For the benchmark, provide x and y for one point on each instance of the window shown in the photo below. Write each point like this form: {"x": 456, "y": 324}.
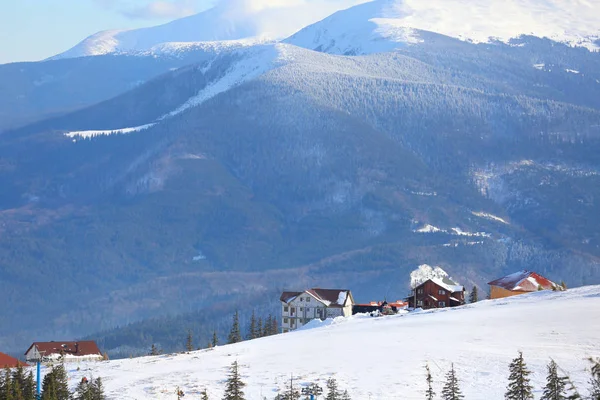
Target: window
{"x": 285, "y": 320}
{"x": 420, "y": 303}
{"x": 442, "y": 304}
{"x": 301, "y": 309}
{"x": 420, "y": 291}
{"x": 308, "y": 299}
{"x": 441, "y": 291}
{"x": 286, "y": 309}
{"x": 301, "y": 298}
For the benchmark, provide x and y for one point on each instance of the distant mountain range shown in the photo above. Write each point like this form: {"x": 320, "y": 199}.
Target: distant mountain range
{"x": 208, "y": 177}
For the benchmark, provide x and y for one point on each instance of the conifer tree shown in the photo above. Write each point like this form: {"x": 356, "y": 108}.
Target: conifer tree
{"x": 267, "y": 326}
{"x": 234, "y": 387}
{"x": 429, "y": 394}
{"x": 203, "y": 395}
{"x": 189, "y": 344}
{"x": 519, "y": 387}
{"x": 252, "y": 331}
{"x": 555, "y": 385}
{"x": 5, "y": 383}
{"x": 154, "y": 351}
{"x": 274, "y": 326}
{"x": 595, "y": 380}
{"x": 97, "y": 389}
{"x": 29, "y": 387}
{"x": 234, "y": 334}
{"x": 55, "y": 385}
{"x": 215, "y": 339}
{"x": 345, "y": 396}
{"x": 333, "y": 392}
{"x": 259, "y": 327}
{"x": 451, "y": 390}
{"x": 290, "y": 392}
{"x": 474, "y": 295}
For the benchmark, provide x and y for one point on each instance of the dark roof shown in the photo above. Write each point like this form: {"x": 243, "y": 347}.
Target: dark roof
{"x": 82, "y": 348}
{"x": 525, "y": 281}
{"x": 286, "y": 297}
{"x": 329, "y": 297}
{"x": 10, "y": 362}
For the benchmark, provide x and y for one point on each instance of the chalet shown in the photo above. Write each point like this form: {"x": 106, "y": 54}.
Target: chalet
{"x": 299, "y": 308}
{"x": 85, "y": 350}
{"x": 519, "y": 283}
{"x": 7, "y": 361}
{"x": 382, "y": 307}
{"x": 437, "y": 293}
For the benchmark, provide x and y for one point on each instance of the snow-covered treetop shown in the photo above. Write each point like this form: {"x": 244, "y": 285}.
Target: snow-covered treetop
{"x": 438, "y": 275}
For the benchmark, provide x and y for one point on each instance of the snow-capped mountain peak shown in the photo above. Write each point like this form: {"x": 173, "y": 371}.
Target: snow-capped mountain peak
{"x": 229, "y": 20}
{"x": 384, "y": 25}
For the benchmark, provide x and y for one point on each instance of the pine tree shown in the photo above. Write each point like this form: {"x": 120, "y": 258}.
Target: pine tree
{"x": 233, "y": 389}
{"x": 82, "y": 391}
{"x": 55, "y": 385}
{"x": 234, "y": 334}
{"x": 345, "y": 396}
{"x": 519, "y": 387}
{"x": 154, "y": 351}
{"x": 274, "y": 326}
{"x": 97, "y": 389}
{"x": 259, "y": 327}
{"x": 252, "y": 331}
{"x": 5, "y": 383}
{"x": 203, "y": 395}
{"x": 451, "y": 390}
{"x": 555, "y": 385}
{"x": 290, "y": 392}
{"x": 267, "y": 326}
{"x": 474, "y": 296}
{"x": 333, "y": 392}
{"x": 313, "y": 389}
{"x": 29, "y": 387}
{"x": 189, "y": 344}
{"x": 215, "y": 339}
{"x": 429, "y": 394}
{"x": 595, "y": 380}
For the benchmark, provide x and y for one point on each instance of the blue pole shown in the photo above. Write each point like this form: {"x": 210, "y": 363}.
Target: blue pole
{"x": 312, "y": 397}
{"x": 38, "y": 381}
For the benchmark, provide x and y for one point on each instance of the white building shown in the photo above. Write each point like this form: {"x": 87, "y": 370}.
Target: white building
{"x": 84, "y": 350}
{"x": 298, "y": 308}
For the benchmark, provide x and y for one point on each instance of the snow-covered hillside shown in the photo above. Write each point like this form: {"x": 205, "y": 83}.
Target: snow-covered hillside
{"x": 383, "y": 25}
{"x": 248, "y": 20}
{"x": 383, "y": 358}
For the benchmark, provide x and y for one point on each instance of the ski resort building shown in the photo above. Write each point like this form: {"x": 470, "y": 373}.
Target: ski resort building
{"x": 7, "y": 361}
{"x": 437, "y": 293}
{"x": 519, "y": 283}
{"x": 299, "y": 308}
{"x": 69, "y": 351}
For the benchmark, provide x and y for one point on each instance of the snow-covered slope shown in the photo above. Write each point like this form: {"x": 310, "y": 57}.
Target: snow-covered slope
{"x": 230, "y": 20}
{"x": 384, "y": 358}
{"x": 383, "y": 25}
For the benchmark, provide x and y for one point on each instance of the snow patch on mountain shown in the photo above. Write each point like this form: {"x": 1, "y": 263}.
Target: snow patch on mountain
{"x": 425, "y": 272}
{"x": 489, "y": 216}
{"x": 93, "y": 133}
{"x": 384, "y": 25}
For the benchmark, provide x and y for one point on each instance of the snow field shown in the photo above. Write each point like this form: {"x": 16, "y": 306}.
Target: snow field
{"x": 383, "y": 358}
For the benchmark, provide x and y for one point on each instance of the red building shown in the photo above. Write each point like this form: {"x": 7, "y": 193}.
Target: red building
{"x": 7, "y": 361}
{"x": 437, "y": 293}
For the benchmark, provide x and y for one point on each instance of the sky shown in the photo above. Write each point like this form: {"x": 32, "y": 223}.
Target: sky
{"x": 32, "y": 30}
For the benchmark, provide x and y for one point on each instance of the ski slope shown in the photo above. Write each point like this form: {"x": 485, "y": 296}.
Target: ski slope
{"x": 383, "y": 358}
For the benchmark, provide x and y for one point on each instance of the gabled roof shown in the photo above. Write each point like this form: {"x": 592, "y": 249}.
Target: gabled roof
{"x": 7, "y": 361}
{"x": 523, "y": 281}
{"x": 81, "y": 348}
{"x": 329, "y": 297}
{"x": 446, "y": 284}
{"x": 286, "y": 297}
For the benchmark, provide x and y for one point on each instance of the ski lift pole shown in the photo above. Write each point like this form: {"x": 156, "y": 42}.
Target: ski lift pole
{"x": 37, "y": 387}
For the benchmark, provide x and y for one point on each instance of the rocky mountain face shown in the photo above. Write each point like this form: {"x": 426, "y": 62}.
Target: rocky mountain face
{"x": 273, "y": 166}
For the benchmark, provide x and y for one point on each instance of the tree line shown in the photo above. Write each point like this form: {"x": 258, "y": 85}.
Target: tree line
{"x": 17, "y": 385}
{"x": 257, "y": 328}
{"x": 558, "y": 386}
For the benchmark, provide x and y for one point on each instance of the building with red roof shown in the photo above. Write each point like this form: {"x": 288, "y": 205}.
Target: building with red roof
{"x": 7, "y": 361}
{"x": 84, "y": 350}
{"x": 519, "y": 283}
